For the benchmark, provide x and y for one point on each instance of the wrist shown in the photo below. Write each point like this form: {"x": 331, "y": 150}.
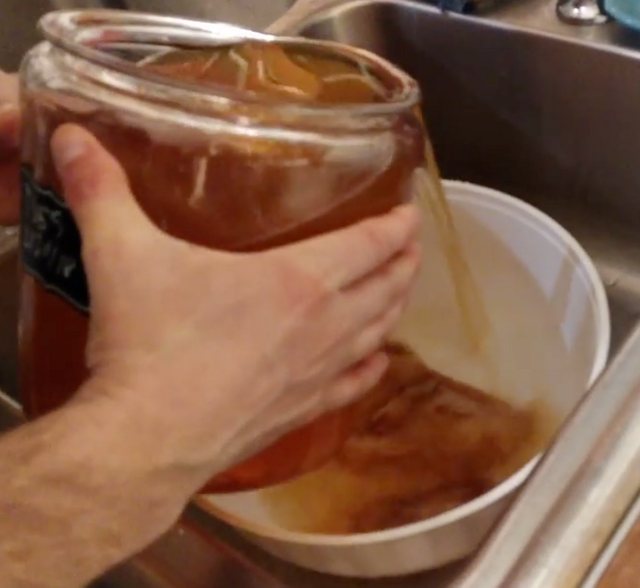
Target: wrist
{"x": 81, "y": 481}
{"x": 124, "y": 453}
{"x": 152, "y": 438}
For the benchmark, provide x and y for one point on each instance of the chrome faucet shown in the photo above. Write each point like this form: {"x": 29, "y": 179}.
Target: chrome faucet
{"x": 581, "y": 12}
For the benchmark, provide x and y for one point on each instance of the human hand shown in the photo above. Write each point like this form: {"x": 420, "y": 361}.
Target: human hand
{"x": 218, "y": 354}
{"x": 9, "y": 149}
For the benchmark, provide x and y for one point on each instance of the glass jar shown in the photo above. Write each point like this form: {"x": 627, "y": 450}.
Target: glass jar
{"x": 223, "y": 169}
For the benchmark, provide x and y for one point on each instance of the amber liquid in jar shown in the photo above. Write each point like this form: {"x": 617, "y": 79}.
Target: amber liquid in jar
{"x": 237, "y": 193}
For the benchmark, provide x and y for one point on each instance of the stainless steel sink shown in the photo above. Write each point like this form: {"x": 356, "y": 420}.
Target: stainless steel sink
{"x": 550, "y": 119}
{"x": 18, "y": 17}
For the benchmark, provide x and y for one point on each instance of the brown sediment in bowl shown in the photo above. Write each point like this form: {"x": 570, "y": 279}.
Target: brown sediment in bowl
{"x": 437, "y": 445}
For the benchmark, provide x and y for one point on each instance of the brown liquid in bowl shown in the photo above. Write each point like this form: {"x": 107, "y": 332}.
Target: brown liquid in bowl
{"x": 436, "y": 445}
{"x": 232, "y": 193}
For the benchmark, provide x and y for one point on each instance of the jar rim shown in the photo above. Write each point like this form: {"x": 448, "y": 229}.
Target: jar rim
{"x": 82, "y": 32}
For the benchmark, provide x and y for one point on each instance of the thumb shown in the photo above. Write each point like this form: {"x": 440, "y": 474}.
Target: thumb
{"x": 96, "y": 190}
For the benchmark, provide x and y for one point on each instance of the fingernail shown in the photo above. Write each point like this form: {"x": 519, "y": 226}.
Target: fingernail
{"x": 409, "y": 215}
{"x": 384, "y": 362}
{"x": 68, "y": 145}
{"x": 407, "y": 210}
{"x": 402, "y": 209}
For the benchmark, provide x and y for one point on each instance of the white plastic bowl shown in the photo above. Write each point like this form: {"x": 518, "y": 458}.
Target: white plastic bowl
{"x": 497, "y": 231}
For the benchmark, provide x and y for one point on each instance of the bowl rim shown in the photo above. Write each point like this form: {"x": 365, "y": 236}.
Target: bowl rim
{"x": 600, "y": 305}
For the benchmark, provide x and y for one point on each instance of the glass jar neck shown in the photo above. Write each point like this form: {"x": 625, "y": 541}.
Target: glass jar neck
{"x": 105, "y": 48}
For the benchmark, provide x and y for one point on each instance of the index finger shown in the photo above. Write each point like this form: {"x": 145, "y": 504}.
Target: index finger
{"x": 346, "y": 256}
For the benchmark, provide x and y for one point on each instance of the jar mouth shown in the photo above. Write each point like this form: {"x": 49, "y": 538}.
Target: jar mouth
{"x": 120, "y": 41}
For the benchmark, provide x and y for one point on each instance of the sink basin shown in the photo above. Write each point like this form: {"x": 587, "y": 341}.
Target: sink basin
{"x": 554, "y": 121}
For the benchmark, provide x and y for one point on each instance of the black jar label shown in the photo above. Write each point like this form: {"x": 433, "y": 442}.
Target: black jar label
{"x": 50, "y": 242}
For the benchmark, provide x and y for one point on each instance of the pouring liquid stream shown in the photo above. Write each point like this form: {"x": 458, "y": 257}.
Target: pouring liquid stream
{"x": 431, "y": 196}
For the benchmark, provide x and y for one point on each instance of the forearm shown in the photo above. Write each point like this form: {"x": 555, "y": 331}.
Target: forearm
{"x": 79, "y": 493}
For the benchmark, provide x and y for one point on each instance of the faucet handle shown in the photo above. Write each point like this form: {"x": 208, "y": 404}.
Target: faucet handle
{"x": 581, "y": 12}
